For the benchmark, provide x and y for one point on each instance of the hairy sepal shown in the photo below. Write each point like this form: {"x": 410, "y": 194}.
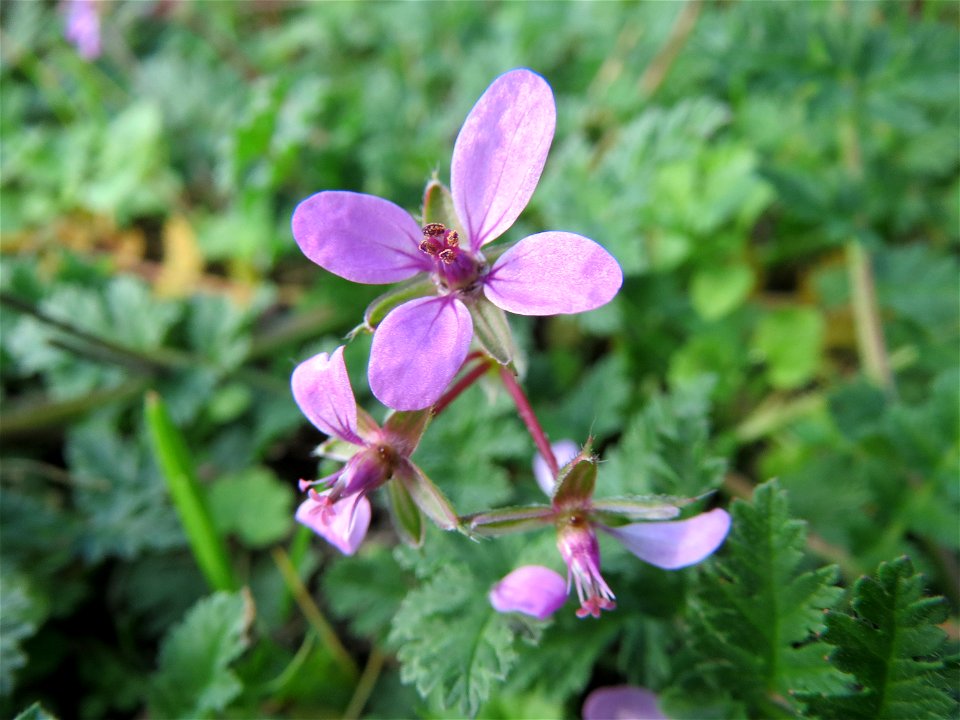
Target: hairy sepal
{"x": 416, "y": 287}
{"x": 427, "y": 496}
{"x": 505, "y": 521}
{"x": 406, "y": 516}
{"x": 492, "y": 330}
{"x": 405, "y": 428}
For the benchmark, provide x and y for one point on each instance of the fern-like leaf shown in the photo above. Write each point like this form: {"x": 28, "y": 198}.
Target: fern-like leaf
{"x": 890, "y": 643}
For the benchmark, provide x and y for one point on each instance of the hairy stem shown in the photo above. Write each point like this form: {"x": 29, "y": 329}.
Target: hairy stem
{"x": 462, "y": 384}
{"x": 529, "y": 419}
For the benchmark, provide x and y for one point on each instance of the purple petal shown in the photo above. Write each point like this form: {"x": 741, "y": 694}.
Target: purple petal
{"x": 500, "y": 153}
{"x": 532, "y": 590}
{"x": 343, "y": 524}
{"x": 359, "y": 237}
{"x": 622, "y": 702}
{"x": 564, "y": 451}
{"x": 675, "y": 544}
{"x": 322, "y": 389}
{"x": 552, "y": 273}
{"x": 417, "y": 350}
{"x": 83, "y": 27}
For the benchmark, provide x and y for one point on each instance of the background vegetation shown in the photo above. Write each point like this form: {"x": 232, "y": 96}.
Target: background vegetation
{"x": 780, "y": 184}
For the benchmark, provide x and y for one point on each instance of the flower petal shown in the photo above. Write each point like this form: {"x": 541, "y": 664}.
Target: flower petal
{"x": 343, "y": 524}
{"x": 532, "y": 590}
{"x": 500, "y": 153}
{"x": 417, "y": 350}
{"x": 621, "y": 702}
{"x": 564, "y": 451}
{"x": 359, "y": 237}
{"x": 552, "y": 273}
{"x": 322, "y": 389}
{"x": 676, "y": 544}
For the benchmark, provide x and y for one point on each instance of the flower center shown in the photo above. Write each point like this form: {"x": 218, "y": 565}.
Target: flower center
{"x": 456, "y": 269}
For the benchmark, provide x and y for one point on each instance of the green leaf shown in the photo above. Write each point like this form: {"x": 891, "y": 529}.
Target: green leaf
{"x": 188, "y": 497}
{"x": 450, "y": 644}
{"x": 891, "y": 644}
{"x": 254, "y": 505}
{"x": 35, "y": 712}
{"x": 367, "y": 590}
{"x": 666, "y": 448}
{"x": 757, "y": 613}
{"x": 790, "y": 341}
{"x": 717, "y": 290}
{"x": 194, "y": 678}
{"x": 18, "y": 621}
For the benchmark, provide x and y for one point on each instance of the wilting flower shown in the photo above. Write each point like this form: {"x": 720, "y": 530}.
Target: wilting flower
{"x": 340, "y": 512}
{"x": 497, "y": 160}
{"x": 621, "y": 702}
{"x": 577, "y": 516}
{"x": 83, "y": 27}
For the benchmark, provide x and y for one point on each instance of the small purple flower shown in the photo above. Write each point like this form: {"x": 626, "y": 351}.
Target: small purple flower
{"x": 670, "y": 545}
{"x": 372, "y": 455}
{"x": 621, "y": 702}
{"x": 83, "y": 27}
{"x": 497, "y": 161}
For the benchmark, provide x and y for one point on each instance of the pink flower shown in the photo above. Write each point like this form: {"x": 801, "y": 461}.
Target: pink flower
{"x": 83, "y": 27}
{"x": 497, "y": 161}
{"x": 577, "y": 516}
{"x": 372, "y": 454}
{"x": 621, "y": 702}
{"x": 513, "y": 593}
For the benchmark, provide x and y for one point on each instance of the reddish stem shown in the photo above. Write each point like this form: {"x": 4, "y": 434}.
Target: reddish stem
{"x": 462, "y": 384}
{"x": 529, "y": 419}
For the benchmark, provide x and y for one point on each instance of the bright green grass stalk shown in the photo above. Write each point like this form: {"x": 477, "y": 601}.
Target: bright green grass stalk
{"x": 178, "y": 471}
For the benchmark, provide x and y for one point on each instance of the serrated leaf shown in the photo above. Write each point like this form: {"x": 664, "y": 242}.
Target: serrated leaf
{"x": 666, "y": 448}
{"x": 450, "y": 644}
{"x": 366, "y": 589}
{"x": 757, "y": 613}
{"x": 891, "y": 643}
{"x": 194, "y": 678}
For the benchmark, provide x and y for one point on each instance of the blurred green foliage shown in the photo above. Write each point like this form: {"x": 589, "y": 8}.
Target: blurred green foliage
{"x": 736, "y": 157}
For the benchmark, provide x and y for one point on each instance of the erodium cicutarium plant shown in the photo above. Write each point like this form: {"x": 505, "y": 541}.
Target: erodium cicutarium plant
{"x": 499, "y": 155}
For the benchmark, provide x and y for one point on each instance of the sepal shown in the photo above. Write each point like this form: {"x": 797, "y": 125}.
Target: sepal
{"x": 404, "y": 428}
{"x": 438, "y": 205}
{"x": 427, "y": 496}
{"x": 508, "y": 520}
{"x": 416, "y": 287}
{"x": 492, "y": 330}
{"x": 336, "y": 449}
{"x": 620, "y": 511}
{"x": 406, "y": 516}
{"x": 576, "y": 481}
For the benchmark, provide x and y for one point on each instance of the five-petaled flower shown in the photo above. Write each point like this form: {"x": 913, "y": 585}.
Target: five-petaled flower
{"x": 670, "y": 545}
{"x": 497, "y": 160}
{"x": 373, "y": 455}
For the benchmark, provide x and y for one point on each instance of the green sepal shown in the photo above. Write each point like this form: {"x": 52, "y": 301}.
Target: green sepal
{"x": 406, "y": 516}
{"x": 405, "y": 428}
{"x": 427, "y": 496}
{"x": 576, "y": 481}
{"x": 613, "y": 512}
{"x": 504, "y": 521}
{"x": 336, "y": 449}
{"x": 416, "y": 287}
{"x": 438, "y": 205}
{"x": 492, "y": 330}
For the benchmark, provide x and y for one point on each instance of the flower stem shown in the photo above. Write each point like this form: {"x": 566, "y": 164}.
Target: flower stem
{"x": 310, "y": 610}
{"x": 462, "y": 384}
{"x": 529, "y": 419}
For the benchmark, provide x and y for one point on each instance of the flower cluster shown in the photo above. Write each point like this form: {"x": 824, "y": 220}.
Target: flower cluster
{"x": 453, "y": 294}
